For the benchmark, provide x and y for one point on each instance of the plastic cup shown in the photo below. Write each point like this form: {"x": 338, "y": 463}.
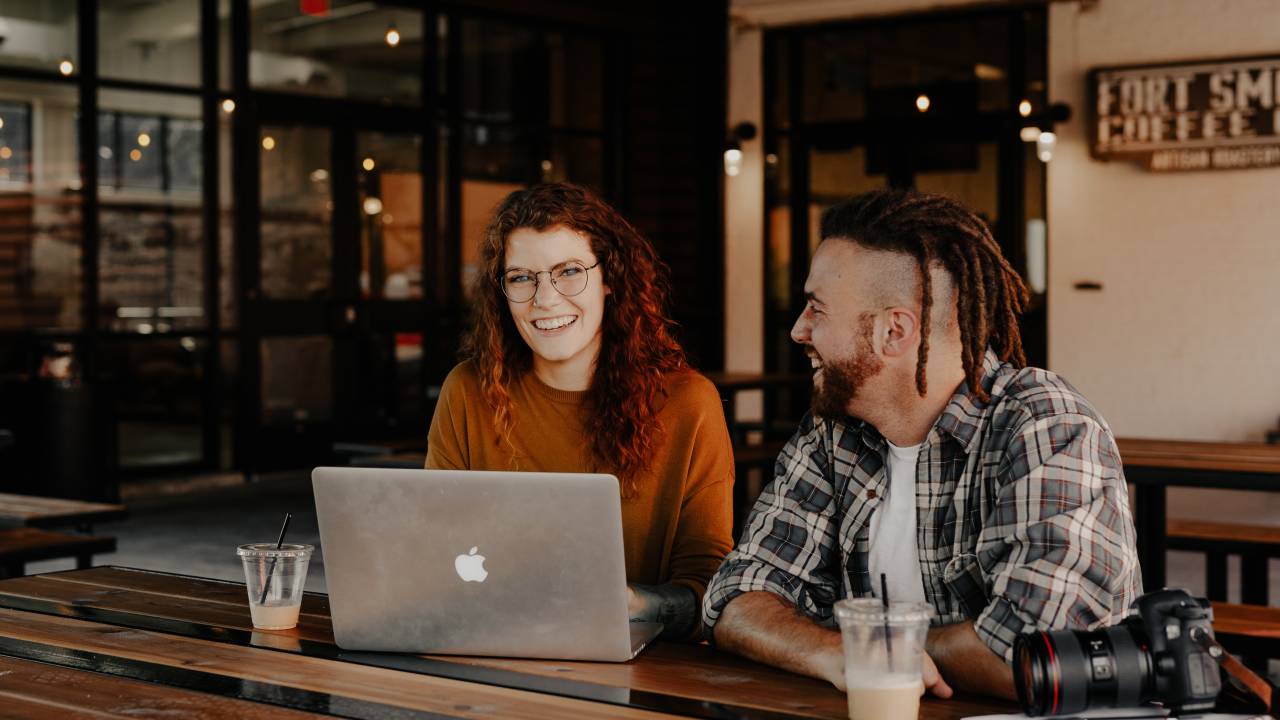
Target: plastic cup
{"x": 882, "y": 657}
{"x": 281, "y": 572}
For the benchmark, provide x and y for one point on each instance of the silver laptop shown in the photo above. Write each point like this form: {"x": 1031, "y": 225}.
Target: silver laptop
{"x": 508, "y": 564}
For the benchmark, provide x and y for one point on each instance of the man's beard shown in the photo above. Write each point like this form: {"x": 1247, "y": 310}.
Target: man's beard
{"x": 842, "y": 379}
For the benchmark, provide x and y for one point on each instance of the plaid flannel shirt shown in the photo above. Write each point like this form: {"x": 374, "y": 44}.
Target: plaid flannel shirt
{"x": 1023, "y": 517}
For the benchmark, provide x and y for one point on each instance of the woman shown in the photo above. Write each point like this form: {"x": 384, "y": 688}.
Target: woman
{"x": 570, "y": 366}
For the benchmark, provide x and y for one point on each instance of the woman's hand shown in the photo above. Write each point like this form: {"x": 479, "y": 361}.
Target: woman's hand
{"x": 636, "y": 606}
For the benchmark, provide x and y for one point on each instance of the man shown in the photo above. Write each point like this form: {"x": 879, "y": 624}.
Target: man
{"x": 991, "y": 491}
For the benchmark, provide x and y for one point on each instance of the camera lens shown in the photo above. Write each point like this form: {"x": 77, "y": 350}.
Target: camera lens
{"x": 1068, "y": 671}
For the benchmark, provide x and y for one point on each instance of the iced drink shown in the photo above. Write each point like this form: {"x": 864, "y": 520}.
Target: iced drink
{"x": 882, "y": 657}
{"x": 892, "y": 701}
{"x": 274, "y": 577}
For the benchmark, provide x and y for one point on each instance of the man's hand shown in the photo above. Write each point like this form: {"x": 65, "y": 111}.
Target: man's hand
{"x": 932, "y": 679}
{"x": 766, "y": 628}
{"x": 968, "y": 662}
{"x": 635, "y": 605}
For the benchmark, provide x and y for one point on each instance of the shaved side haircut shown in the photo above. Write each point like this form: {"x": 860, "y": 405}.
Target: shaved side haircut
{"x": 937, "y": 231}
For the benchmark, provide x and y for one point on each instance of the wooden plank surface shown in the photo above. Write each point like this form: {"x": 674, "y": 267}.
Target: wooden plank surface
{"x": 1192, "y": 455}
{"x": 689, "y": 671}
{"x": 32, "y": 511}
{"x": 39, "y": 691}
{"x": 1249, "y": 620}
{"x": 342, "y": 680}
{"x": 1225, "y": 532}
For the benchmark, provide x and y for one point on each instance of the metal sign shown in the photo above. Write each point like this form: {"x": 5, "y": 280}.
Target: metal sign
{"x": 1207, "y": 115}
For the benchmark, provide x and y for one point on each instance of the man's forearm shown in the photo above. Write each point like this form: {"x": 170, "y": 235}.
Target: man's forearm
{"x": 766, "y": 628}
{"x": 967, "y": 663}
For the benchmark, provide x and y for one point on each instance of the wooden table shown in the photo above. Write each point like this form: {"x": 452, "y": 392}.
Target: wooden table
{"x": 1152, "y": 466}
{"x": 43, "y": 512}
{"x": 111, "y": 641}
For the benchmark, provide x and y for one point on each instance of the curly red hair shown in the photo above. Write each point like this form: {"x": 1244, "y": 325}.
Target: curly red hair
{"x": 637, "y": 349}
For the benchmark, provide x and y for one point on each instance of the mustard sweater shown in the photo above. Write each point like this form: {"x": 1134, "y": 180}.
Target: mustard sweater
{"x": 678, "y": 527}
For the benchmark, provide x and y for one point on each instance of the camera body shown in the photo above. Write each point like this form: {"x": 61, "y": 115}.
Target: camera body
{"x": 1153, "y": 655}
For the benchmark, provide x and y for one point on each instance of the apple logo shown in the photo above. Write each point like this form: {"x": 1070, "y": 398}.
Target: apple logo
{"x": 470, "y": 567}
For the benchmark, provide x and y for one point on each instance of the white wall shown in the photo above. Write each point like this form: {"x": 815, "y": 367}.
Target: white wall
{"x": 1183, "y": 341}
{"x": 744, "y": 219}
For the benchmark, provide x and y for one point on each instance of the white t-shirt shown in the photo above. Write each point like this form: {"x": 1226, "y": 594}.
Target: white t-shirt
{"x": 893, "y": 530}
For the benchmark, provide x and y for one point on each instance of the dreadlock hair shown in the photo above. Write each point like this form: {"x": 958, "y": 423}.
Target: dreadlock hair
{"x": 936, "y": 230}
{"x": 638, "y": 350}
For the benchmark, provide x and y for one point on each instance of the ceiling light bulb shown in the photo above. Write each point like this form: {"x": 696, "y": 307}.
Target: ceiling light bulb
{"x": 268, "y": 143}
{"x": 922, "y": 103}
{"x": 368, "y": 164}
{"x": 393, "y": 36}
{"x": 228, "y": 106}
{"x": 1045, "y": 145}
{"x": 66, "y": 67}
{"x": 732, "y": 161}
{"x": 1024, "y": 108}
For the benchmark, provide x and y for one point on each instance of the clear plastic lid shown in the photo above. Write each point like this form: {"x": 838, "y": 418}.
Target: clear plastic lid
{"x": 863, "y": 611}
{"x": 269, "y": 550}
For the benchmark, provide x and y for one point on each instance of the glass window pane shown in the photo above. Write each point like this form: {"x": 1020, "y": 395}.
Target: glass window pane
{"x": 390, "y": 196}
{"x": 778, "y": 229}
{"x": 778, "y": 77}
{"x": 141, "y": 167}
{"x": 297, "y": 379}
{"x": 150, "y": 40}
{"x": 836, "y": 175}
{"x": 497, "y": 152}
{"x": 152, "y": 236}
{"x": 297, "y": 208}
{"x": 40, "y": 221}
{"x": 158, "y": 400}
{"x": 108, "y": 141}
{"x": 961, "y": 63}
{"x": 15, "y": 141}
{"x": 967, "y": 172}
{"x": 183, "y": 159}
{"x": 226, "y": 228}
{"x": 504, "y": 73}
{"x": 577, "y": 81}
{"x": 39, "y": 34}
{"x": 342, "y": 50}
{"x": 576, "y": 159}
{"x": 495, "y": 162}
{"x": 224, "y": 44}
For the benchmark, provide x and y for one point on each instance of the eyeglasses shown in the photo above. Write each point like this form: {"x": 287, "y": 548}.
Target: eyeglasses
{"x": 569, "y": 279}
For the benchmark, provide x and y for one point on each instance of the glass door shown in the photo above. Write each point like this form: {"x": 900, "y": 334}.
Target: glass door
{"x": 335, "y": 306}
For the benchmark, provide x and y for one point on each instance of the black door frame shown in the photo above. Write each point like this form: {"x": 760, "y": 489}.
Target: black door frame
{"x": 1001, "y": 127}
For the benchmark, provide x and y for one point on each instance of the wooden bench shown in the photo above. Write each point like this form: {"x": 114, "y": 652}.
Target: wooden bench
{"x": 1251, "y": 631}
{"x": 45, "y": 512}
{"x": 19, "y": 546}
{"x": 1255, "y": 544}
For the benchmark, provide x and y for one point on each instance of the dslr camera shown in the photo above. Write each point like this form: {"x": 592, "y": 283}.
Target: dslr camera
{"x": 1161, "y": 653}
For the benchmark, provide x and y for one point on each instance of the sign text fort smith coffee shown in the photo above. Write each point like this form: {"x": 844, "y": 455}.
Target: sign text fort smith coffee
{"x": 1209, "y": 115}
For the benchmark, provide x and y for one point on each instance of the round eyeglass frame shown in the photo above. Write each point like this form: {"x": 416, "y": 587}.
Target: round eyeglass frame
{"x": 550, "y": 276}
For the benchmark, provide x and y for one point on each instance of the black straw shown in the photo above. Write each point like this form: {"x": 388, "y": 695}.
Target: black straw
{"x": 884, "y": 600}
{"x": 280, "y": 543}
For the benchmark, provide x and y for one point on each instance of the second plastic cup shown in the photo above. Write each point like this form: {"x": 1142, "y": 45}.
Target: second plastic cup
{"x": 882, "y": 657}
{"x": 274, "y": 578}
